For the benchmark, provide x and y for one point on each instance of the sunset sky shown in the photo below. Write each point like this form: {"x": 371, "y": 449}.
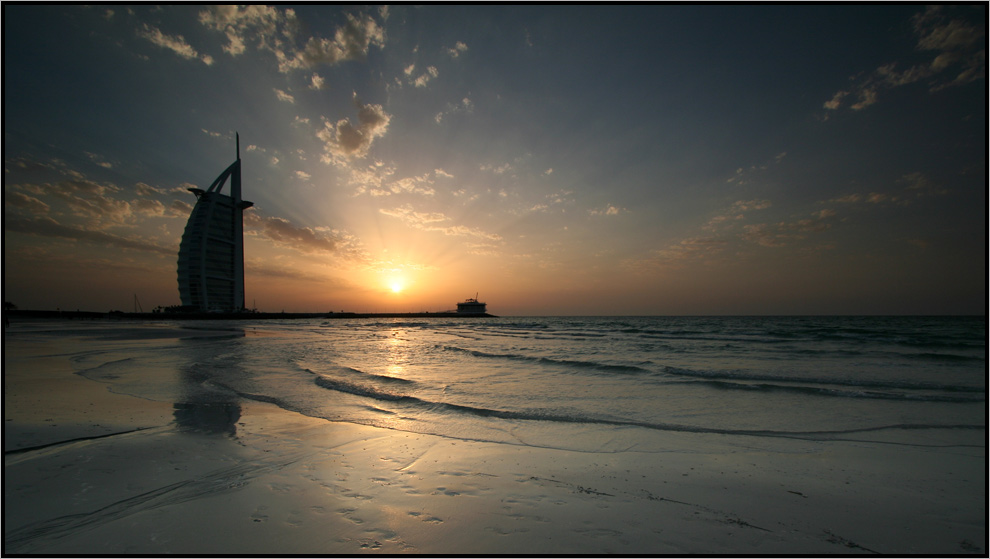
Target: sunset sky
{"x": 556, "y": 160}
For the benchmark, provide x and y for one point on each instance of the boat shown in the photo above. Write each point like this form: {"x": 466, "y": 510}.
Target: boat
{"x": 471, "y": 306}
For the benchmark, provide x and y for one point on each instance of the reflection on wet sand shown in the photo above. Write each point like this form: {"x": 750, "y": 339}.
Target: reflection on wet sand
{"x": 203, "y": 408}
{"x": 211, "y": 417}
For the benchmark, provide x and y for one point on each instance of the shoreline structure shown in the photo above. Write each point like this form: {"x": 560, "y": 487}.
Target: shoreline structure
{"x": 120, "y": 315}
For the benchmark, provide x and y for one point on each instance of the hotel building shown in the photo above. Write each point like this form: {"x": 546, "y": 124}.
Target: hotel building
{"x": 211, "y": 254}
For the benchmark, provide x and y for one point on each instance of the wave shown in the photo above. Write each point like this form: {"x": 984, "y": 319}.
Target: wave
{"x": 741, "y": 378}
{"x": 550, "y": 361}
{"x": 371, "y": 376}
{"x": 544, "y": 415}
{"x": 947, "y": 357}
{"x": 361, "y": 390}
{"x": 834, "y": 392}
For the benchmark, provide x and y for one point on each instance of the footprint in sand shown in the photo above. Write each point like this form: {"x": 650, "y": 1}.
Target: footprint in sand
{"x": 295, "y": 519}
{"x": 429, "y": 519}
{"x": 346, "y": 513}
{"x": 259, "y": 516}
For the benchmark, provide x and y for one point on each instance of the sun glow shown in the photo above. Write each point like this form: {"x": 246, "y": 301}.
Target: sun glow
{"x": 396, "y": 286}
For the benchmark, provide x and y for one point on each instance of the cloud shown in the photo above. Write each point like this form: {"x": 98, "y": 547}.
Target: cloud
{"x": 736, "y": 212}
{"x": 609, "y": 209}
{"x": 678, "y": 255}
{"x": 148, "y": 208}
{"x": 101, "y": 204}
{"x": 316, "y": 82}
{"x": 98, "y": 159}
{"x": 284, "y": 234}
{"x": 915, "y": 185}
{"x": 268, "y": 27}
{"x": 422, "y": 184}
{"x": 497, "y": 169}
{"x": 176, "y": 44}
{"x": 457, "y": 49}
{"x": 344, "y": 141}
{"x": 24, "y": 202}
{"x": 465, "y": 106}
{"x": 836, "y": 100}
{"x": 921, "y": 186}
{"x": 277, "y": 31}
{"x": 749, "y": 205}
{"x": 350, "y": 42}
{"x": 744, "y": 175}
{"x": 148, "y": 190}
{"x": 376, "y": 180}
{"x": 848, "y": 199}
{"x": 180, "y": 208}
{"x": 958, "y": 57}
{"x": 87, "y": 199}
{"x": 283, "y": 96}
{"x": 787, "y": 232}
{"x": 424, "y": 78}
{"x": 435, "y": 222}
{"x": 47, "y": 227}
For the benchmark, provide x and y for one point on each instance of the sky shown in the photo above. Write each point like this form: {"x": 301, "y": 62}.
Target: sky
{"x": 554, "y": 160}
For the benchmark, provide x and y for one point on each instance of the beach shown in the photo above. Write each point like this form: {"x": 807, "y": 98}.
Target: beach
{"x": 92, "y": 469}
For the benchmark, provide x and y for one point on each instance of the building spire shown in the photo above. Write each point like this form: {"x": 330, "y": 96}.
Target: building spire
{"x": 237, "y": 138}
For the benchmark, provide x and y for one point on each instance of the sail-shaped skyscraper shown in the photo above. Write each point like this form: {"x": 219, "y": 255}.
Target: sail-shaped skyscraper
{"x": 211, "y": 254}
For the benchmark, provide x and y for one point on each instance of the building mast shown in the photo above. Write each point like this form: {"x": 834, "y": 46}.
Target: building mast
{"x": 240, "y": 205}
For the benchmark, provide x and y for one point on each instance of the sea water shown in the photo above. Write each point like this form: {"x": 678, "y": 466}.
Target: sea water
{"x": 598, "y": 384}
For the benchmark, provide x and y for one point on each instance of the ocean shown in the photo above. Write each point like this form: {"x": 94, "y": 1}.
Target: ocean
{"x": 592, "y": 384}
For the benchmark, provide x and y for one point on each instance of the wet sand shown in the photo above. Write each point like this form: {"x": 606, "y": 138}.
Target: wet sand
{"x": 87, "y": 471}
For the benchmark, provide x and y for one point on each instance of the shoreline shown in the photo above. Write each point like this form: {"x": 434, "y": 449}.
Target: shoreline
{"x": 91, "y": 471}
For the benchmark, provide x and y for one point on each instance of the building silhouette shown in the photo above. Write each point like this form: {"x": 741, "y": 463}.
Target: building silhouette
{"x": 211, "y": 254}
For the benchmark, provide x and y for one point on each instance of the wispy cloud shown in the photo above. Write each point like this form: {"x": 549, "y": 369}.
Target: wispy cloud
{"x": 465, "y": 106}
{"x": 958, "y": 56}
{"x": 435, "y": 221}
{"x": 176, "y": 43}
{"x": 497, "y": 169}
{"x": 680, "y": 254}
{"x": 787, "y": 232}
{"x": 308, "y": 240}
{"x": 283, "y": 96}
{"x": 744, "y": 175}
{"x": 21, "y": 201}
{"x": 607, "y": 210}
{"x": 48, "y": 227}
{"x": 735, "y": 212}
{"x": 912, "y": 187}
{"x": 99, "y": 160}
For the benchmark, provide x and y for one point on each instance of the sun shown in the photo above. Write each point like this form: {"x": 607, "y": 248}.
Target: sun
{"x": 396, "y": 286}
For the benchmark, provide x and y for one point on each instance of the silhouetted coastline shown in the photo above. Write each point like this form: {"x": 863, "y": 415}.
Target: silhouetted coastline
{"x": 120, "y": 315}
